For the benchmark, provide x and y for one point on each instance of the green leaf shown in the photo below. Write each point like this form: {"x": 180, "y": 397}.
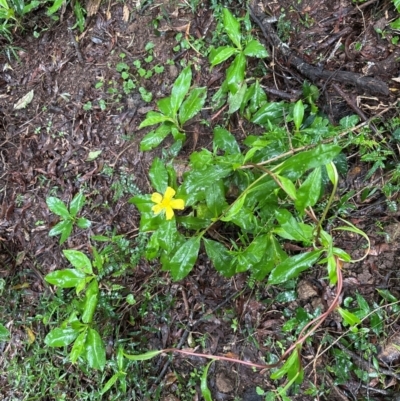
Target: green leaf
{"x": 184, "y": 259}
{"x": 143, "y": 357}
{"x": 235, "y": 73}
{"x": 4, "y": 333}
{"x": 269, "y": 112}
{"x": 95, "y": 351}
{"x": 310, "y": 191}
{"x": 78, "y": 347}
{"x": 58, "y": 207}
{"x": 180, "y": 88}
{"x": 79, "y": 260}
{"x": 220, "y": 257}
{"x": 232, "y": 28}
{"x": 291, "y": 229}
{"x": 61, "y": 337}
{"x": 396, "y": 3}
{"x": 158, "y": 175}
{"x": 235, "y": 208}
{"x": 83, "y": 223}
{"x": 154, "y": 138}
{"x": 59, "y": 228}
{"x": 90, "y": 304}
{"x": 235, "y": 100}
{"x": 215, "y": 198}
{"x": 255, "y": 49}
{"x": 293, "y": 266}
{"x": 219, "y": 55}
{"x": 291, "y": 362}
{"x": 153, "y": 117}
{"x": 66, "y": 278}
{"x": 205, "y": 391}
{"x": 225, "y": 141}
{"x": 298, "y": 114}
{"x": 192, "y": 105}
{"x": 167, "y": 234}
{"x": 67, "y": 228}
{"x": 164, "y": 105}
{"x": 348, "y": 317}
{"x": 288, "y": 186}
{"x": 55, "y": 7}
{"x": 77, "y": 203}
{"x": 110, "y": 382}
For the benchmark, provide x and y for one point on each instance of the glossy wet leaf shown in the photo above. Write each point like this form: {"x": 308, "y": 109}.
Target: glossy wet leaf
{"x": 293, "y": 266}
{"x": 232, "y": 27}
{"x": 79, "y": 260}
{"x": 90, "y": 302}
{"x": 167, "y": 234}
{"x": 114, "y": 378}
{"x": 58, "y": 207}
{"x": 66, "y": 278}
{"x": 235, "y": 100}
{"x": 225, "y": 141}
{"x": 269, "y": 112}
{"x": 153, "y": 118}
{"x": 234, "y": 209}
{"x": 143, "y": 357}
{"x": 291, "y": 229}
{"x": 291, "y": 362}
{"x": 61, "y": 337}
{"x": 154, "y": 138}
{"x": 158, "y": 175}
{"x": 288, "y": 186}
{"x": 219, "y": 55}
{"x": 78, "y": 347}
{"x": 255, "y": 49}
{"x": 220, "y": 257}
{"x": 180, "y": 88}
{"x": 192, "y": 104}
{"x": 95, "y": 351}
{"x": 64, "y": 226}
{"x": 83, "y": 223}
{"x": 77, "y": 203}
{"x": 235, "y": 73}
{"x": 165, "y": 107}
{"x": 350, "y": 318}
{"x": 215, "y": 199}
{"x": 310, "y": 190}
{"x": 184, "y": 259}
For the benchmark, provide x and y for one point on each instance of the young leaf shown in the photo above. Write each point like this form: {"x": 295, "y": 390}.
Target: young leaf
{"x": 66, "y": 278}
{"x": 66, "y": 231}
{"x": 350, "y": 318}
{"x": 61, "y": 337}
{"x": 79, "y": 260}
{"x": 154, "y": 138}
{"x": 293, "y": 266}
{"x": 288, "y": 186}
{"x": 153, "y": 118}
{"x": 83, "y": 223}
{"x": 219, "y": 55}
{"x": 255, "y": 49}
{"x": 110, "y": 383}
{"x": 95, "y": 351}
{"x": 164, "y": 105}
{"x": 90, "y": 304}
{"x": 158, "y": 175}
{"x": 62, "y": 226}
{"x": 184, "y": 259}
{"x": 143, "y": 357}
{"x": 205, "y": 391}
{"x": 215, "y": 199}
{"x": 232, "y": 28}
{"x": 78, "y": 347}
{"x": 180, "y": 88}
{"x": 58, "y": 207}
{"x": 167, "y": 234}
{"x": 298, "y": 114}
{"x": 192, "y": 105}
{"x": 77, "y": 204}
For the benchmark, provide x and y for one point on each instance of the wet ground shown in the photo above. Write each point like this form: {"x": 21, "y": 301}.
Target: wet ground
{"x": 81, "y": 104}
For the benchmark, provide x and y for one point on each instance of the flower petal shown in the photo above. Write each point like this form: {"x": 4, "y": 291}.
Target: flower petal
{"x": 157, "y": 209}
{"x": 156, "y": 197}
{"x": 169, "y": 213}
{"x": 169, "y": 194}
{"x": 177, "y": 204}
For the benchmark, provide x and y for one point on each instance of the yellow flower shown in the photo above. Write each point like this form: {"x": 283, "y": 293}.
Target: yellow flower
{"x": 166, "y": 203}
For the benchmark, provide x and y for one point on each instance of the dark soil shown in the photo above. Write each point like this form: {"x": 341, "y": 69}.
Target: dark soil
{"x": 44, "y": 149}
